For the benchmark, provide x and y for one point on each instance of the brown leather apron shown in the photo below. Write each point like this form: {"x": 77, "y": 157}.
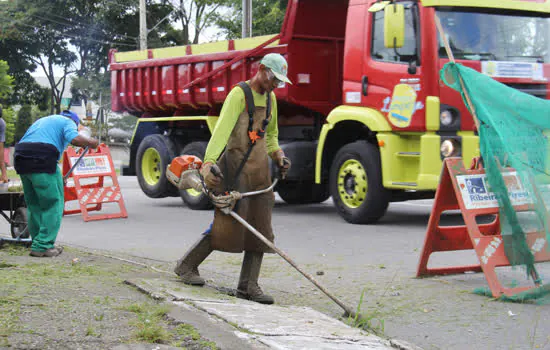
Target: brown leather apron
{"x": 227, "y": 234}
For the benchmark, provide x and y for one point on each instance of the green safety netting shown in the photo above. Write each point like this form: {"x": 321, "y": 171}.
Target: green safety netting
{"x": 513, "y": 132}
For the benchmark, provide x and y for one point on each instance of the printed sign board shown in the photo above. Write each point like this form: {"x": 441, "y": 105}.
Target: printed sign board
{"x": 91, "y": 165}
{"x": 477, "y": 193}
{"x": 501, "y": 69}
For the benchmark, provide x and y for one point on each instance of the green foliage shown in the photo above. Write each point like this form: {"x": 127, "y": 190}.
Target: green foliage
{"x": 6, "y": 81}
{"x": 24, "y": 120}
{"x": 76, "y": 36}
{"x": 267, "y": 18}
{"x": 9, "y": 119}
{"x": 37, "y": 113}
{"x": 126, "y": 123}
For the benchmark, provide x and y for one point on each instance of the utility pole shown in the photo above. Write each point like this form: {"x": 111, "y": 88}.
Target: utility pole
{"x": 247, "y": 18}
{"x": 142, "y": 25}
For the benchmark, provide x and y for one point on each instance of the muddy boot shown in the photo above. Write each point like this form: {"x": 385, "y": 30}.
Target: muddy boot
{"x": 187, "y": 267}
{"x": 248, "y": 287}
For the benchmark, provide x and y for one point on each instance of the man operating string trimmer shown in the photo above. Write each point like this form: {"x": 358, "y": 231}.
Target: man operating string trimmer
{"x": 247, "y": 129}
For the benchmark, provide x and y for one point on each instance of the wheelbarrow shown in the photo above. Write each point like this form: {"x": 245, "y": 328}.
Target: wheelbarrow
{"x": 14, "y": 209}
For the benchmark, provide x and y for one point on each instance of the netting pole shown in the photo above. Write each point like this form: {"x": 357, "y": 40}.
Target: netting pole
{"x": 534, "y": 273}
{"x": 451, "y": 57}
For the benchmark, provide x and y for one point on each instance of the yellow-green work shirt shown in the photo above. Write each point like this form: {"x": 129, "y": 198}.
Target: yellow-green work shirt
{"x": 233, "y": 106}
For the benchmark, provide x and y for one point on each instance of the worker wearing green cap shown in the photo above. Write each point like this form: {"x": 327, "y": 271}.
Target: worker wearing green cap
{"x": 249, "y": 136}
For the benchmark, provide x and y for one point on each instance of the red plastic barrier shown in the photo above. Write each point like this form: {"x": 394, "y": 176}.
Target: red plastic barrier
{"x": 467, "y": 191}
{"x": 89, "y": 194}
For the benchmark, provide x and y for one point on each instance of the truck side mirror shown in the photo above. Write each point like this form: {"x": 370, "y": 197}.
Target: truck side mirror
{"x": 394, "y": 26}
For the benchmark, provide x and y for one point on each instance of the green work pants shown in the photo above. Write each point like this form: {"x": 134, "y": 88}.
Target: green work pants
{"x": 45, "y": 203}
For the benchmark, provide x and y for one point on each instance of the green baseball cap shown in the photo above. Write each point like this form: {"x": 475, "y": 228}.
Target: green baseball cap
{"x": 278, "y": 66}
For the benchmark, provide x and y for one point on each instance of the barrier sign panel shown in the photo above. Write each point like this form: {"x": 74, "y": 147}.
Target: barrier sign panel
{"x": 88, "y": 185}
{"x": 467, "y": 190}
{"x": 92, "y": 165}
{"x": 477, "y": 193}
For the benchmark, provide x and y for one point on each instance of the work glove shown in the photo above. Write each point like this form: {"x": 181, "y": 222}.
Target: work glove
{"x": 225, "y": 202}
{"x": 211, "y": 174}
{"x": 282, "y": 162}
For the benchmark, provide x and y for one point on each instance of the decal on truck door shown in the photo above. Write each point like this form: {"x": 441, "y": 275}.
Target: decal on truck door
{"x": 402, "y": 105}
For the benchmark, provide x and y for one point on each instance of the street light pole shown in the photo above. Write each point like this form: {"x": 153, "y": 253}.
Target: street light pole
{"x": 142, "y": 25}
{"x": 247, "y": 19}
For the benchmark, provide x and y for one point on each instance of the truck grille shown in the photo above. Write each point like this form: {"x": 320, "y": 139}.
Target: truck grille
{"x": 537, "y": 90}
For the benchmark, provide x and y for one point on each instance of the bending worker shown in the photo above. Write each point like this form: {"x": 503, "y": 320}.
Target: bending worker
{"x": 249, "y": 134}
{"x": 36, "y": 160}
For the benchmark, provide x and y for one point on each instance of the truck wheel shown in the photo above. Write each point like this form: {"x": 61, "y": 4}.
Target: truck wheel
{"x": 153, "y": 156}
{"x": 356, "y": 183}
{"x": 193, "y": 199}
{"x": 295, "y": 193}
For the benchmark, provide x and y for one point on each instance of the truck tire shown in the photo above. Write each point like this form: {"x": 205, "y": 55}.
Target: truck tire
{"x": 356, "y": 183}
{"x": 154, "y": 154}
{"x": 296, "y": 193}
{"x": 193, "y": 199}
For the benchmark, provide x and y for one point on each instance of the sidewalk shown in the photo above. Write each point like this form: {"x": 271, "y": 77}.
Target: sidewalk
{"x": 258, "y": 326}
{"x": 88, "y": 300}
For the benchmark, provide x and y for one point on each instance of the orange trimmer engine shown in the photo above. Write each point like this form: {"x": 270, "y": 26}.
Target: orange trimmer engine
{"x": 183, "y": 172}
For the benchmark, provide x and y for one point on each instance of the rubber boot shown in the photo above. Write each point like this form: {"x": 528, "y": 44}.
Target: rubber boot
{"x": 248, "y": 287}
{"x": 187, "y": 267}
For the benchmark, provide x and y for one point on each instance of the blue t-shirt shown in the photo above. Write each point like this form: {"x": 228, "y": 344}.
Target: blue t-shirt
{"x": 56, "y": 130}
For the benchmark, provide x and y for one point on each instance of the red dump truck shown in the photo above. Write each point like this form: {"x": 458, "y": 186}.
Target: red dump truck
{"x": 367, "y": 119}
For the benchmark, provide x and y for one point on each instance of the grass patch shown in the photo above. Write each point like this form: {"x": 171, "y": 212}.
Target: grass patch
{"x": 25, "y": 280}
{"x": 9, "y": 317}
{"x": 185, "y": 332}
{"x": 152, "y": 326}
{"x": 370, "y": 321}
{"x": 15, "y": 250}
{"x": 4, "y": 265}
{"x": 149, "y": 325}
{"x": 90, "y": 332}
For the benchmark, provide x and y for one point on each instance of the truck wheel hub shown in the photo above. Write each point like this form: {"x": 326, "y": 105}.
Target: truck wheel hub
{"x": 352, "y": 183}
{"x": 150, "y": 166}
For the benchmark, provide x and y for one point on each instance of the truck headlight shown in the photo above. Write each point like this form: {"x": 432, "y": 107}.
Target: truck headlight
{"x": 446, "y": 118}
{"x": 450, "y": 148}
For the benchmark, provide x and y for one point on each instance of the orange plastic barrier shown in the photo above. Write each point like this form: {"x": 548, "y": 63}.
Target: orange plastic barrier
{"x": 91, "y": 194}
{"x": 467, "y": 191}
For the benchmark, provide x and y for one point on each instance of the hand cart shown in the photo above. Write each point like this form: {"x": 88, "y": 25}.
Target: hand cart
{"x": 14, "y": 204}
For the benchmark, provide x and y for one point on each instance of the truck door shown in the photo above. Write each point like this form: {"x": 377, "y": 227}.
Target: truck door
{"x": 385, "y": 68}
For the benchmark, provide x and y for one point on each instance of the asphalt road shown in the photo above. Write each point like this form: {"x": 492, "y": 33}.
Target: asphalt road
{"x": 376, "y": 264}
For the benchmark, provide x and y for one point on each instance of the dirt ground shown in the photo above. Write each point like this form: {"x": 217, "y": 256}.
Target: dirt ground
{"x": 79, "y": 300}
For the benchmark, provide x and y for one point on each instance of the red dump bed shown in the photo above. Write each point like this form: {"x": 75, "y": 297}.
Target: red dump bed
{"x": 195, "y": 79}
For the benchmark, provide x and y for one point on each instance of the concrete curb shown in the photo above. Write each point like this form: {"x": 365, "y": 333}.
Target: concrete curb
{"x": 241, "y": 324}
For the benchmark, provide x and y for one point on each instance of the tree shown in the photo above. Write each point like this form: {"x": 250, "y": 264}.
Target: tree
{"x": 267, "y": 18}
{"x": 25, "y": 89}
{"x": 194, "y": 16}
{"x": 45, "y": 44}
{"x": 24, "y": 121}
{"x": 126, "y": 123}
{"x": 9, "y": 119}
{"x": 6, "y": 81}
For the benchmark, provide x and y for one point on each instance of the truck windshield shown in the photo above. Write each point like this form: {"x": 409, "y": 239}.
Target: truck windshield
{"x": 476, "y": 35}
